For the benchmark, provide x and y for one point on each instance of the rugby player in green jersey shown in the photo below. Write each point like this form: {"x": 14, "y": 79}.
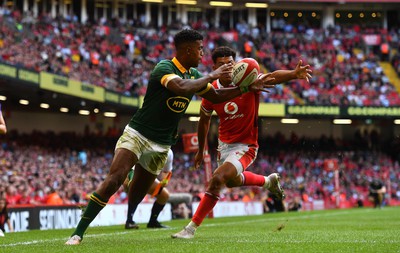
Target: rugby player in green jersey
{"x": 154, "y": 127}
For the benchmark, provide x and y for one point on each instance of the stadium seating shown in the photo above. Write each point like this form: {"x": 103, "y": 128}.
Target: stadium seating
{"x": 71, "y": 166}
{"x": 115, "y": 56}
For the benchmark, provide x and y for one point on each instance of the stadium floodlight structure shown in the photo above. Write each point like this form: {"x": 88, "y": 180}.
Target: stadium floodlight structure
{"x": 153, "y": 1}
{"x": 221, "y": 3}
{"x": 24, "y": 102}
{"x": 186, "y": 2}
{"x": 342, "y": 121}
{"x": 289, "y": 121}
{"x": 256, "y": 5}
{"x": 64, "y": 109}
{"x": 110, "y": 114}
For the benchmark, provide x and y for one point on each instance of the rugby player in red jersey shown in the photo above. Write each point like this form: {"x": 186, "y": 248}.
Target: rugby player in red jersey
{"x": 238, "y": 139}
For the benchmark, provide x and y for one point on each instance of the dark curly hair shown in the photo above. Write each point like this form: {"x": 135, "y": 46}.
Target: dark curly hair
{"x": 223, "y": 52}
{"x": 185, "y": 36}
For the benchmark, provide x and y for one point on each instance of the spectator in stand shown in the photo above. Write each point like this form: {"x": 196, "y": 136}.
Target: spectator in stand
{"x": 54, "y": 198}
{"x": 12, "y": 195}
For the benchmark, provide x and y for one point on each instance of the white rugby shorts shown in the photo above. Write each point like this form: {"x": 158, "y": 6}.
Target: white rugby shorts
{"x": 239, "y": 154}
{"x": 152, "y": 156}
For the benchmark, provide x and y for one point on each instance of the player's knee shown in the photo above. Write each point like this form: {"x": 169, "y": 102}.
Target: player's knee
{"x": 166, "y": 193}
{"x": 163, "y": 197}
{"x": 217, "y": 180}
{"x": 113, "y": 182}
{"x": 234, "y": 182}
{"x": 230, "y": 184}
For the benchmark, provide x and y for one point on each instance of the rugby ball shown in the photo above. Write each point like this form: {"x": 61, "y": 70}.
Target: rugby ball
{"x": 245, "y": 72}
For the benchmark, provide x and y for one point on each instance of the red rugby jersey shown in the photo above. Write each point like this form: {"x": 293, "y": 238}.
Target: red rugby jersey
{"x": 238, "y": 117}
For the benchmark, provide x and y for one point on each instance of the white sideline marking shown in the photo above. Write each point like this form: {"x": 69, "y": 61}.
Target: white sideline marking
{"x": 205, "y": 225}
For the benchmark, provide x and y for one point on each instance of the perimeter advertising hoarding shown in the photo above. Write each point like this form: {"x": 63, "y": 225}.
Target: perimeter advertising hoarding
{"x": 303, "y": 110}
{"x": 371, "y": 111}
{"x": 44, "y": 217}
{"x": 28, "y": 76}
{"x": 67, "y": 86}
{"x": 7, "y": 70}
{"x": 31, "y": 217}
{"x": 110, "y": 96}
{"x": 336, "y": 111}
{"x": 18, "y": 73}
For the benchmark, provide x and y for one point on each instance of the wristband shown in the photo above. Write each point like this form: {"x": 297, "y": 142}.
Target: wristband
{"x": 244, "y": 89}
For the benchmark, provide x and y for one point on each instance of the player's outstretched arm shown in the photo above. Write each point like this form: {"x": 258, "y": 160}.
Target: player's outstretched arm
{"x": 225, "y": 94}
{"x": 300, "y": 72}
{"x": 187, "y": 87}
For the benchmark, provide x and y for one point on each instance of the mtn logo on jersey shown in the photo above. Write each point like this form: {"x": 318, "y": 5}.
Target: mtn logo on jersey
{"x": 178, "y": 104}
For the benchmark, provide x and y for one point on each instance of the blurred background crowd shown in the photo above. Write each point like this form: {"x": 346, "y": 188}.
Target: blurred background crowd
{"x": 49, "y": 168}
{"x": 54, "y": 168}
{"x": 119, "y": 55}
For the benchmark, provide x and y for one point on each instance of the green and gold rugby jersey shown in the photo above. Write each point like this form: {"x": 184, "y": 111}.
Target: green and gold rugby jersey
{"x": 162, "y": 109}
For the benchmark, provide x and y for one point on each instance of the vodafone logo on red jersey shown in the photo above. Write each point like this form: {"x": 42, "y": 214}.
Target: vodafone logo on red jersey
{"x": 231, "y": 108}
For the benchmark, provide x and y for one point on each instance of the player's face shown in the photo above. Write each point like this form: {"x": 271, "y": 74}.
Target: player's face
{"x": 195, "y": 50}
{"x": 225, "y": 80}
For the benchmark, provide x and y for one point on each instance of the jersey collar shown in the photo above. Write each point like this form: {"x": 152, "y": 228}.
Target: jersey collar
{"x": 220, "y": 85}
{"x": 179, "y": 65}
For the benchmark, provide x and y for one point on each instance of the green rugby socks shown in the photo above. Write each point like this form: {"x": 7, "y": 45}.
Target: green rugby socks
{"x": 95, "y": 205}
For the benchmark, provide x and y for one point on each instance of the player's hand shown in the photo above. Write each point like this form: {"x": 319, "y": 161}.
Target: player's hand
{"x": 225, "y": 69}
{"x": 303, "y": 72}
{"x": 198, "y": 160}
{"x": 262, "y": 83}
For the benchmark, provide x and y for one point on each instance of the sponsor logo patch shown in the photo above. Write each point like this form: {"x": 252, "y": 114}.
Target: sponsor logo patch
{"x": 178, "y": 104}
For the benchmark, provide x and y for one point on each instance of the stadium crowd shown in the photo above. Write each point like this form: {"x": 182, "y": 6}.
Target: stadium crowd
{"x": 48, "y": 168}
{"x": 119, "y": 55}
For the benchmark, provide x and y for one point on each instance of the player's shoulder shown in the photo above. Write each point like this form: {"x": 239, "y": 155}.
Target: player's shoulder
{"x": 164, "y": 67}
{"x": 164, "y": 64}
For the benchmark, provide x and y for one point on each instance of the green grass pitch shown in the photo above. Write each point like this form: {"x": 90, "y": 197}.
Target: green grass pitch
{"x": 351, "y": 230}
